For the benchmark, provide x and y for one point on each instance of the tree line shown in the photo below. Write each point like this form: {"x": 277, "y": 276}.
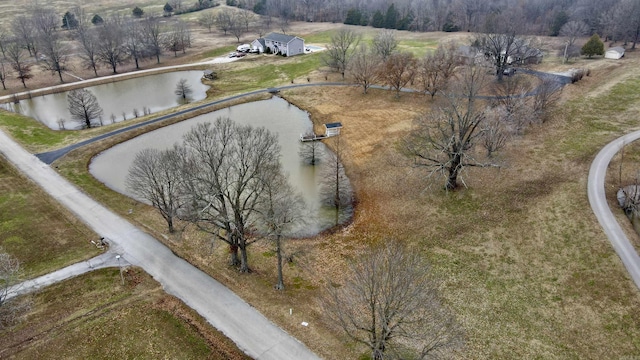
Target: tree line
{"x": 616, "y": 20}
{"x": 448, "y": 140}
{"x": 44, "y": 38}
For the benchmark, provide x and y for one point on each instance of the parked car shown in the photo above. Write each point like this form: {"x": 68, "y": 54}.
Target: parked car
{"x": 509, "y": 71}
{"x": 233, "y": 54}
{"x": 243, "y": 48}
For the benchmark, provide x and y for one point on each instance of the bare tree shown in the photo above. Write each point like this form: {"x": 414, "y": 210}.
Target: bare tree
{"x": 503, "y": 45}
{"x": 340, "y": 50}
{"x": 111, "y": 49}
{"x": 89, "y": 46}
{"x": 207, "y": 19}
{"x": 310, "y": 151}
{"x": 156, "y": 176}
{"x": 572, "y": 30}
{"x": 365, "y": 67}
{"x": 10, "y": 273}
{"x": 334, "y": 187}
{"x": 179, "y": 38}
{"x": 545, "y": 97}
{"x": 16, "y": 57}
{"x": 436, "y": 69}
{"x": 183, "y": 89}
{"x": 398, "y": 70}
{"x": 3, "y": 74}
{"x": 225, "y": 172}
{"x": 225, "y": 20}
{"x": 153, "y": 36}
{"x": 49, "y": 41}
{"x": 280, "y": 210}
{"x": 390, "y": 304}
{"x": 84, "y": 107}
{"x": 443, "y": 140}
{"x": 25, "y": 34}
{"x": 494, "y": 133}
{"x": 5, "y": 38}
{"x": 134, "y": 40}
{"x": 385, "y": 43}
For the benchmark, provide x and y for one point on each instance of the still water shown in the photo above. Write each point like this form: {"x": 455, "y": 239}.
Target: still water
{"x": 118, "y": 99}
{"x": 277, "y": 115}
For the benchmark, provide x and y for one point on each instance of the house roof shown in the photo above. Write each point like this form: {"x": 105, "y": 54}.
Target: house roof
{"x": 334, "y": 125}
{"x": 617, "y": 49}
{"x": 280, "y": 37}
{"x": 261, "y": 41}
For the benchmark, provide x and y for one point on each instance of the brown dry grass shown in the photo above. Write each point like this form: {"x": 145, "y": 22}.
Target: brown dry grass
{"x": 524, "y": 263}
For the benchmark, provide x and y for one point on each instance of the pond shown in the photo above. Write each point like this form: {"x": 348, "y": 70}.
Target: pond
{"x": 119, "y": 100}
{"x": 277, "y": 115}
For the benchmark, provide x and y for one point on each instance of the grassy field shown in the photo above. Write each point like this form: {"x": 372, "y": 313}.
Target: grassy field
{"x": 94, "y": 316}
{"x": 36, "y": 229}
{"x": 524, "y": 263}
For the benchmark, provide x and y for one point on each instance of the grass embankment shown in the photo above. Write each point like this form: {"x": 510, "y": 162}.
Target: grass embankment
{"x": 36, "y": 230}
{"x": 94, "y": 316}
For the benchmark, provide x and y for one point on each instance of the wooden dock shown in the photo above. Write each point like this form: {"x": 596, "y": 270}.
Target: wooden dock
{"x": 312, "y": 137}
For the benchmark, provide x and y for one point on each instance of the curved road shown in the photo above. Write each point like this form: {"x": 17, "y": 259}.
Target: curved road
{"x": 251, "y": 331}
{"x": 598, "y": 201}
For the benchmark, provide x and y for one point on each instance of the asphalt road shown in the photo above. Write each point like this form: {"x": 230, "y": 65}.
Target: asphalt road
{"x": 598, "y": 201}
{"x": 251, "y": 331}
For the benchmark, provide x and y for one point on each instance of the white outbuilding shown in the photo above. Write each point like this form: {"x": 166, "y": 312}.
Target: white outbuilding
{"x": 614, "y": 53}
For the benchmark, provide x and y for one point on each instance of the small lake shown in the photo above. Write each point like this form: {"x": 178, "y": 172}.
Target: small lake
{"x": 277, "y": 115}
{"x": 117, "y": 99}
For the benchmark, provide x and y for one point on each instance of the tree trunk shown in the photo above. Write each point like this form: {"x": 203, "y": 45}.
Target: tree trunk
{"x": 113, "y": 65}
{"x": 60, "y": 74}
{"x": 170, "y": 224}
{"x": 452, "y": 179}
{"x": 234, "y": 260}
{"x": 136, "y": 60}
{"x": 158, "y": 57}
{"x": 280, "y": 285}
{"x": 244, "y": 261}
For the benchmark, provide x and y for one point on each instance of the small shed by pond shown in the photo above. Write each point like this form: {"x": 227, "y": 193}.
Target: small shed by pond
{"x": 614, "y": 53}
{"x": 332, "y": 129}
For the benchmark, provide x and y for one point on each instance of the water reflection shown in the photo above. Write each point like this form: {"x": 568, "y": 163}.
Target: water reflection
{"x": 276, "y": 114}
{"x": 119, "y": 100}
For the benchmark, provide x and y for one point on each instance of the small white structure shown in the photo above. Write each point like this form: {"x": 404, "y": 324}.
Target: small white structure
{"x": 258, "y": 46}
{"x": 332, "y": 129}
{"x": 243, "y": 48}
{"x": 614, "y": 53}
{"x": 281, "y": 44}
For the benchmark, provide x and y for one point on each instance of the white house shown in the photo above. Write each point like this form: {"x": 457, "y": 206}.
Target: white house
{"x": 614, "y": 53}
{"x": 332, "y": 129}
{"x": 282, "y": 44}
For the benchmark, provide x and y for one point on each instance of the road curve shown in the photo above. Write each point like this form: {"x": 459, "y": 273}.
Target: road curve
{"x": 598, "y": 201}
{"x": 251, "y": 331}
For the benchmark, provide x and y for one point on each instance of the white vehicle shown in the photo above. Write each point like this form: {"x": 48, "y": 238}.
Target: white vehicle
{"x": 244, "y": 48}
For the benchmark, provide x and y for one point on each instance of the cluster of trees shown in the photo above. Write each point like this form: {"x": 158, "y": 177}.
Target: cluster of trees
{"x": 617, "y": 20}
{"x": 40, "y": 38}
{"x": 447, "y": 140}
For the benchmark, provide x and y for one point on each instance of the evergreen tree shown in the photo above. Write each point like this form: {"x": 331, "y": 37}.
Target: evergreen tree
{"x": 168, "y": 9}
{"x": 260, "y": 7}
{"x": 97, "y": 20}
{"x": 69, "y": 21}
{"x": 378, "y": 20}
{"x": 391, "y": 17}
{"x": 137, "y": 12}
{"x": 353, "y": 17}
{"x": 594, "y": 46}
{"x": 559, "y": 20}
{"x": 405, "y": 22}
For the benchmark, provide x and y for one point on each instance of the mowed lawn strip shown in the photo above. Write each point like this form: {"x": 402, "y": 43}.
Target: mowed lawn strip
{"x": 94, "y": 316}
{"x": 36, "y": 230}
